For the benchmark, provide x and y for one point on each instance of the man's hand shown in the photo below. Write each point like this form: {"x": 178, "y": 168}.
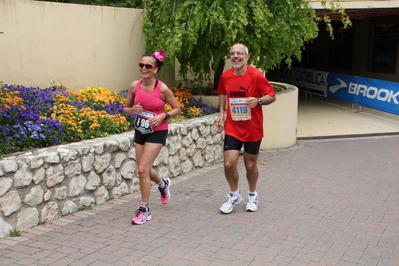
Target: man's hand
{"x": 220, "y": 122}
{"x": 251, "y": 102}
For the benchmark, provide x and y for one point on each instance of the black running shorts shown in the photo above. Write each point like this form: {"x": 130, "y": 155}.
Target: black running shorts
{"x": 154, "y": 137}
{"x": 231, "y": 143}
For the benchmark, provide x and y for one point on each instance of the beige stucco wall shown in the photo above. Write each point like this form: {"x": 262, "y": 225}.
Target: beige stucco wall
{"x": 280, "y": 119}
{"x": 78, "y": 46}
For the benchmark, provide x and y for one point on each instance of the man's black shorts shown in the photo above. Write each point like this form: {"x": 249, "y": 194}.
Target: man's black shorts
{"x": 231, "y": 143}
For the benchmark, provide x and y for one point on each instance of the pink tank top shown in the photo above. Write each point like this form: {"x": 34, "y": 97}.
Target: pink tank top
{"x": 151, "y": 102}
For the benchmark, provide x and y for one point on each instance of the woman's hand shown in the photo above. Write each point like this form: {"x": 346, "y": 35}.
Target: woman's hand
{"x": 156, "y": 120}
{"x": 135, "y": 109}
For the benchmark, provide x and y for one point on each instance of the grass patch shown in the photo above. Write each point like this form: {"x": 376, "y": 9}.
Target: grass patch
{"x": 15, "y": 233}
{"x": 87, "y": 207}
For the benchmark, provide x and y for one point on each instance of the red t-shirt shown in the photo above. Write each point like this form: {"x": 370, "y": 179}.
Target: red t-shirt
{"x": 252, "y": 84}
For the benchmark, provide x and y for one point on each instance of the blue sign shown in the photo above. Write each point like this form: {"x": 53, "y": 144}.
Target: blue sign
{"x": 373, "y": 93}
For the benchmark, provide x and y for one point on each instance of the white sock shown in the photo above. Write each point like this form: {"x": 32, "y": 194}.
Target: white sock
{"x": 161, "y": 184}
{"x": 253, "y": 193}
{"x": 235, "y": 193}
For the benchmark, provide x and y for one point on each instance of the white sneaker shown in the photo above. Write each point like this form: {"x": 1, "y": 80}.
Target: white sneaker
{"x": 252, "y": 204}
{"x": 228, "y": 206}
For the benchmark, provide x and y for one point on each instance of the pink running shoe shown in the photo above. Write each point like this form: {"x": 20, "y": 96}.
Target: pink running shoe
{"x": 142, "y": 215}
{"x": 165, "y": 193}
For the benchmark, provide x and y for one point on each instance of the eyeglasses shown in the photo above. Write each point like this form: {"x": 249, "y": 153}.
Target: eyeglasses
{"x": 239, "y": 53}
{"x": 147, "y": 66}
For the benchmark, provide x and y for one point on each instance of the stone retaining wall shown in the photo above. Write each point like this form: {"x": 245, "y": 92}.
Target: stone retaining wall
{"x": 45, "y": 184}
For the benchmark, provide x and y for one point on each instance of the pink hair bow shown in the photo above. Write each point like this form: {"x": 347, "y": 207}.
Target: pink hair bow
{"x": 160, "y": 55}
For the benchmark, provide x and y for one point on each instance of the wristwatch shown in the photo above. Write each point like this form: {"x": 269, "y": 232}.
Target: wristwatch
{"x": 259, "y": 101}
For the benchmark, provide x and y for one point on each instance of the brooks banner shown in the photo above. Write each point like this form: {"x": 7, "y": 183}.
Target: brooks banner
{"x": 373, "y": 93}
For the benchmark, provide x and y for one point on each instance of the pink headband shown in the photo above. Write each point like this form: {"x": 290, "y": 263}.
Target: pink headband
{"x": 160, "y": 55}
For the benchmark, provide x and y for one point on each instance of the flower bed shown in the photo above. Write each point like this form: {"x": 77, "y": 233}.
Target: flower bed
{"x": 33, "y": 118}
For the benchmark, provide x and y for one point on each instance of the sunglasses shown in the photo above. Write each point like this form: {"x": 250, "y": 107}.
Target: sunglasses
{"x": 239, "y": 53}
{"x": 147, "y": 66}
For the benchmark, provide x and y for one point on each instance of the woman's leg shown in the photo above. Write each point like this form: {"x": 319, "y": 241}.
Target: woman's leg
{"x": 145, "y": 157}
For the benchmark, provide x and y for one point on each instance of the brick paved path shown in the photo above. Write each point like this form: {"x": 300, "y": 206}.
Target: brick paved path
{"x": 322, "y": 202}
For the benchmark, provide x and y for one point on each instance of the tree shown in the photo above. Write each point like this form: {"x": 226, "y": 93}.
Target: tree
{"x": 199, "y": 33}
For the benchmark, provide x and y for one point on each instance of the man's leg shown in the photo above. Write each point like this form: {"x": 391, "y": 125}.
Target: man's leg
{"x": 230, "y": 168}
{"x": 251, "y": 166}
{"x": 231, "y": 173}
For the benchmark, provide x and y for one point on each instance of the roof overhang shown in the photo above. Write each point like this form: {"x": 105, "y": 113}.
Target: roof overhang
{"x": 359, "y": 13}
{"x": 358, "y": 4}
{"x": 356, "y": 9}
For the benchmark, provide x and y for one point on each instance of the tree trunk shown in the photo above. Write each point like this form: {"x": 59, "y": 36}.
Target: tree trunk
{"x": 218, "y": 73}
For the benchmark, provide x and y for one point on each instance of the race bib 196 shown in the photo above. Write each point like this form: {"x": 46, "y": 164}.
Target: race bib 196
{"x": 142, "y": 122}
{"x": 239, "y": 110}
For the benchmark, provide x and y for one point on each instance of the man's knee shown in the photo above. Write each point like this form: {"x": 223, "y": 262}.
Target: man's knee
{"x": 251, "y": 167}
{"x": 250, "y": 162}
{"x": 230, "y": 165}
